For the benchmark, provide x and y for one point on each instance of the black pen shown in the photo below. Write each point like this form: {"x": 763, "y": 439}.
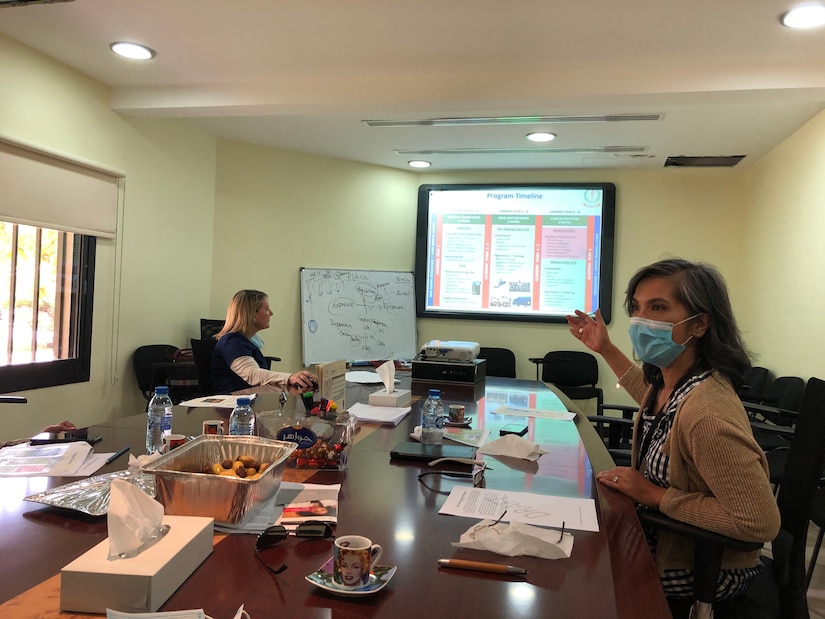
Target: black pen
{"x": 114, "y": 457}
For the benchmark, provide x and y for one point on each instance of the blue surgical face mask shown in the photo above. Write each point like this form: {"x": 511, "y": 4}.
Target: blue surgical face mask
{"x": 653, "y": 341}
{"x": 257, "y": 341}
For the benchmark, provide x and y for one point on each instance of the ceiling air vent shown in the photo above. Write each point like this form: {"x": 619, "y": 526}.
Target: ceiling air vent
{"x": 9, "y": 3}
{"x": 719, "y": 161}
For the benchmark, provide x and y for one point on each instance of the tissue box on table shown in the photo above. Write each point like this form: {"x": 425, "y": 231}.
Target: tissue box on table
{"x": 92, "y": 583}
{"x": 395, "y": 398}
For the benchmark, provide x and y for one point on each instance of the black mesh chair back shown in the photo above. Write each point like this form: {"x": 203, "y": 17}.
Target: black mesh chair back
{"x": 210, "y": 327}
{"x": 575, "y": 373}
{"x": 757, "y": 380}
{"x": 202, "y": 352}
{"x": 784, "y": 392}
{"x": 142, "y": 360}
{"x": 500, "y": 361}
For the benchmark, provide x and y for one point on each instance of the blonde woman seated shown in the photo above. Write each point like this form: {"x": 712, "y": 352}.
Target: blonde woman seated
{"x": 238, "y": 365}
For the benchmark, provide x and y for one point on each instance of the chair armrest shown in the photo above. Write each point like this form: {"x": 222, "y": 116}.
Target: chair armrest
{"x": 655, "y": 518}
{"x": 784, "y": 431}
{"x": 765, "y": 410}
{"x": 272, "y": 360}
{"x": 12, "y": 399}
{"x": 610, "y": 421}
{"x": 626, "y": 410}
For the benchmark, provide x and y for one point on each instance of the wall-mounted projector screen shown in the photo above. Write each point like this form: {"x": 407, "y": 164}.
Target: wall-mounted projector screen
{"x": 531, "y": 252}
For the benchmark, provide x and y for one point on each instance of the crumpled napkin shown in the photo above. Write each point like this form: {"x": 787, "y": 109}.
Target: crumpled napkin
{"x": 137, "y": 463}
{"x": 513, "y": 446}
{"x": 134, "y": 520}
{"x": 517, "y": 539}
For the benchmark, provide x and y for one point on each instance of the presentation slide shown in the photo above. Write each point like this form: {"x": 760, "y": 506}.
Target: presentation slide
{"x": 513, "y": 251}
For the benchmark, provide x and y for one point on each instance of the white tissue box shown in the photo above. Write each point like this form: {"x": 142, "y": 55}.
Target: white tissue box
{"x": 92, "y": 583}
{"x": 396, "y": 398}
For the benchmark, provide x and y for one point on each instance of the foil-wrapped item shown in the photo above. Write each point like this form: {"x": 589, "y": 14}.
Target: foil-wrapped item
{"x": 91, "y": 495}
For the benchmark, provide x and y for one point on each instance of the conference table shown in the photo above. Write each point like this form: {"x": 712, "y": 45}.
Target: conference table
{"x": 610, "y": 573}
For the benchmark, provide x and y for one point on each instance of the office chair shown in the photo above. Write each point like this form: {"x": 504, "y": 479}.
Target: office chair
{"x": 773, "y": 420}
{"x": 780, "y": 589}
{"x": 817, "y": 516}
{"x": 575, "y": 373}
{"x": 143, "y": 360}
{"x": 756, "y": 380}
{"x": 202, "y": 352}
{"x": 210, "y": 327}
{"x": 500, "y": 361}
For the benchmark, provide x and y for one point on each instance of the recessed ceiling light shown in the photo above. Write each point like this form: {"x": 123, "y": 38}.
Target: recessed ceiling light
{"x": 419, "y": 164}
{"x": 804, "y": 16}
{"x": 134, "y": 51}
{"x": 541, "y": 137}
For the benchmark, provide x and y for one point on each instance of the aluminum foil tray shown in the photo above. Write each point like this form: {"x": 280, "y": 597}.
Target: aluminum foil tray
{"x": 91, "y": 496}
{"x": 185, "y": 492}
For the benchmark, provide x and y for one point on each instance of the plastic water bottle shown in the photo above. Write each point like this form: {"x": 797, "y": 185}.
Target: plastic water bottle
{"x": 159, "y": 423}
{"x": 242, "y": 421}
{"x": 432, "y": 419}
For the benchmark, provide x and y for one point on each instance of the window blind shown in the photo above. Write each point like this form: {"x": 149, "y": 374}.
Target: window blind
{"x": 50, "y": 190}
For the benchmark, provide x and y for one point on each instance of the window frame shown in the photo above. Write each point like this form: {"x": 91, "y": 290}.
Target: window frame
{"x": 38, "y": 375}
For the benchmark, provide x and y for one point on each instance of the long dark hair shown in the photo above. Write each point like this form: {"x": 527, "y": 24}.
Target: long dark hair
{"x": 702, "y": 289}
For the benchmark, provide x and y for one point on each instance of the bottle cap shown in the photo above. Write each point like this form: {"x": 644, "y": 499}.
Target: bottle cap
{"x": 435, "y": 392}
{"x": 162, "y": 390}
{"x": 243, "y": 402}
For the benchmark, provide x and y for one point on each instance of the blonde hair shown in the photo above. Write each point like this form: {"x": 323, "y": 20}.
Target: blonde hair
{"x": 240, "y": 315}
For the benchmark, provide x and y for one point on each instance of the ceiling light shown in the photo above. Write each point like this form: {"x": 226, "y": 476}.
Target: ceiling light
{"x": 804, "y": 16}
{"x": 134, "y": 51}
{"x": 419, "y": 164}
{"x": 541, "y": 137}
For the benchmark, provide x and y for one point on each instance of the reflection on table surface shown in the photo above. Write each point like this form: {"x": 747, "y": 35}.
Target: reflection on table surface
{"x": 383, "y": 500}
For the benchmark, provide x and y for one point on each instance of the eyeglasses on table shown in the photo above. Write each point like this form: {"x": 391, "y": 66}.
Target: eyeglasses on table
{"x": 274, "y": 535}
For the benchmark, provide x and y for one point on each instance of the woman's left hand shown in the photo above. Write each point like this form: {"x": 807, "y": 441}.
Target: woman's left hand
{"x": 631, "y": 482}
{"x": 301, "y": 381}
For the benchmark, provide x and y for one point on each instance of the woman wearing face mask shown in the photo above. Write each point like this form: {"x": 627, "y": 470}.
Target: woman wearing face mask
{"x": 238, "y": 365}
{"x": 694, "y": 456}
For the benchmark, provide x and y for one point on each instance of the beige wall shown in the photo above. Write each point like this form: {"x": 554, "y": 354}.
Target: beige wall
{"x": 166, "y": 238}
{"x": 784, "y": 252}
{"x": 278, "y": 211}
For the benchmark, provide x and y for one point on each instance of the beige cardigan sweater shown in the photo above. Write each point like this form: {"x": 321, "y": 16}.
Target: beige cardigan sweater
{"x": 718, "y": 473}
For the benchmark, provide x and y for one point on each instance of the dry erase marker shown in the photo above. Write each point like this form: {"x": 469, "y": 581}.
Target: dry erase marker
{"x": 478, "y": 566}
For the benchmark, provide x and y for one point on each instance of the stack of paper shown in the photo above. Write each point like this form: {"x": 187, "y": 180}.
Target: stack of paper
{"x": 379, "y": 414}
{"x": 217, "y": 401}
{"x": 56, "y": 460}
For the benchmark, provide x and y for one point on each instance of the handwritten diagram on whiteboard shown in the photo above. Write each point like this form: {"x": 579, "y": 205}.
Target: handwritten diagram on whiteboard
{"x": 357, "y": 315}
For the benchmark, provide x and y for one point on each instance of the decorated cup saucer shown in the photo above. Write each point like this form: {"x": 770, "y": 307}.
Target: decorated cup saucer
{"x": 323, "y": 577}
{"x": 459, "y": 424}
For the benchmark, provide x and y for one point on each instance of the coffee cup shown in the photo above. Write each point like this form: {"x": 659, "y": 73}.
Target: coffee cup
{"x": 213, "y": 426}
{"x": 355, "y": 557}
{"x": 456, "y": 413}
{"x": 172, "y": 441}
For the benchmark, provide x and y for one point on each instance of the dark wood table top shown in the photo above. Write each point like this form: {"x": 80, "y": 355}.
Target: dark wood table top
{"x": 609, "y": 574}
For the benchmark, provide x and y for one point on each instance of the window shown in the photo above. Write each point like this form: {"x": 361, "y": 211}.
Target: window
{"x": 46, "y": 299}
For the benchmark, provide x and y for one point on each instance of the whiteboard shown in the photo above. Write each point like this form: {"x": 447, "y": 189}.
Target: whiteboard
{"x": 357, "y": 315}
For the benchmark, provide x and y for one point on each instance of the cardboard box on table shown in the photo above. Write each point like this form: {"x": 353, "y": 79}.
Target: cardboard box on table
{"x": 396, "y": 398}
{"x": 92, "y": 583}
